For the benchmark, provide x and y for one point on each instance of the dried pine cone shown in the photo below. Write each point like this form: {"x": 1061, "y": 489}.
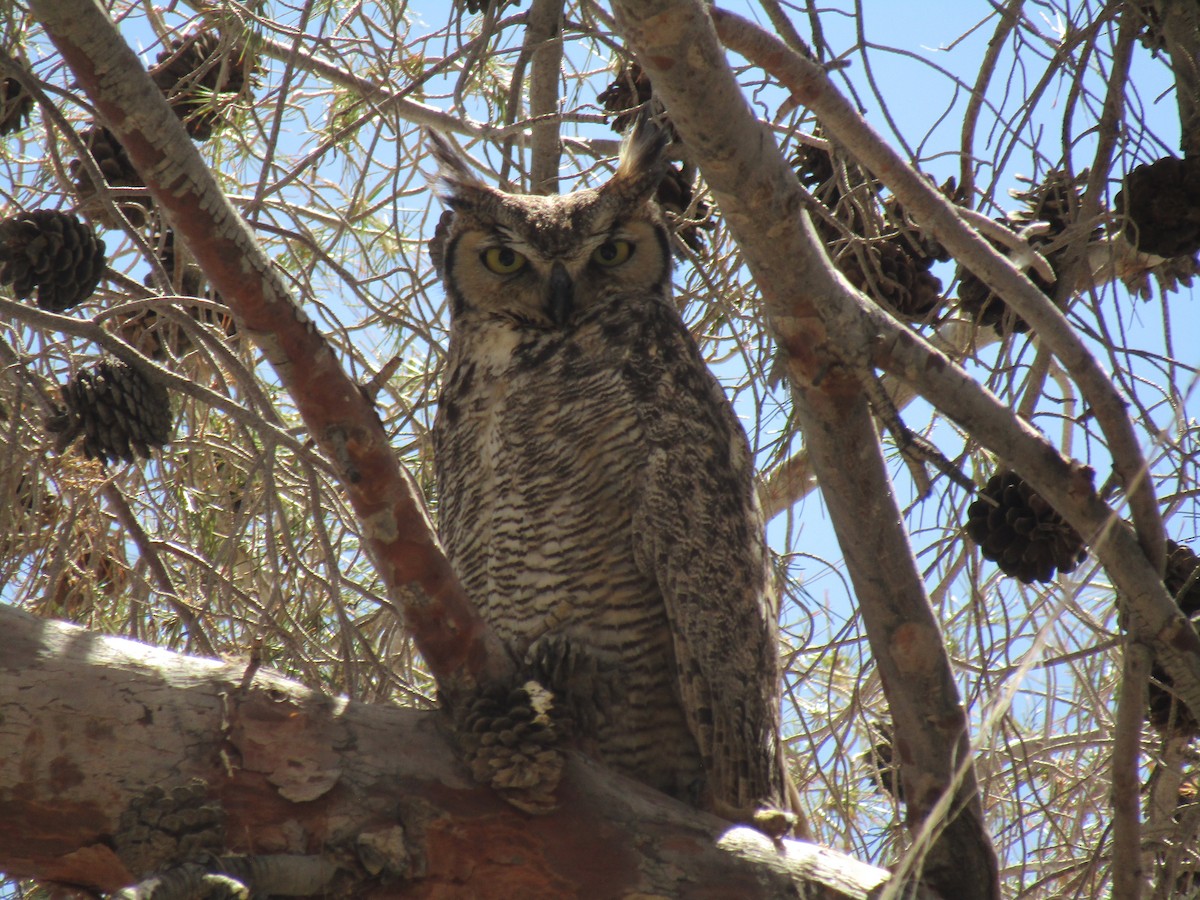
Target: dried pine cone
{"x": 814, "y": 169}
{"x": 117, "y": 409}
{"x": 475, "y": 7}
{"x": 15, "y": 106}
{"x": 1054, "y": 200}
{"x": 95, "y": 573}
{"x": 582, "y": 688}
{"x": 880, "y": 761}
{"x": 1150, "y": 33}
{"x": 510, "y": 742}
{"x": 28, "y": 506}
{"x": 1170, "y": 275}
{"x": 114, "y": 164}
{"x": 1162, "y": 203}
{"x": 986, "y": 309}
{"x": 187, "y": 279}
{"x": 626, "y": 95}
{"x": 675, "y": 195}
{"x": 817, "y": 171}
{"x": 896, "y": 279}
{"x": 1167, "y": 713}
{"x": 1019, "y": 531}
{"x": 145, "y": 330}
{"x": 920, "y": 242}
{"x": 53, "y": 253}
{"x": 200, "y": 77}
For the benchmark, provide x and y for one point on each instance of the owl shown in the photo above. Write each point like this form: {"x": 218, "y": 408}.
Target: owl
{"x": 596, "y": 490}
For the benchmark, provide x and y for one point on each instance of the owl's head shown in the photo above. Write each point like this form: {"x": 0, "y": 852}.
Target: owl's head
{"x": 544, "y": 261}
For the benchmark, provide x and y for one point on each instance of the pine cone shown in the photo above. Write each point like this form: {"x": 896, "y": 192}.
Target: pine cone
{"x": 53, "y": 253}
{"x": 626, "y": 95}
{"x": 1170, "y": 275}
{"x": 856, "y": 208}
{"x": 814, "y": 168}
{"x": 897, "y": 280}
{"x": 1162, "y": 203}
{"x": 186, "y": 277}
{"x": 880, "y": 761}
{"x": 475, "y": 7}
{"x": 152, "y": 333}
{"x": 986, "y": 309}
{"x": 1166, "y": 713}
{"x": 15, "y": 106}
{"x": 200, "y": 78}
{"x": 117, "y": 409}
{"x": 920, "y": 242}
{"x": 510, "y": 742}
{"x": 675, "y": 195}
{"x": 582, "y": 688}
{"x": 1150, "y": 33}
{"x": 114, "y": 164}
{"x": 1019, "y": 531}
{"x": 1055, "y": 201}
{"x": 28, "y": 507}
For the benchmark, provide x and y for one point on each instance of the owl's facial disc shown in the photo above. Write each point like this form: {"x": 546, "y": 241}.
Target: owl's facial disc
{"x": 563, "y": 258}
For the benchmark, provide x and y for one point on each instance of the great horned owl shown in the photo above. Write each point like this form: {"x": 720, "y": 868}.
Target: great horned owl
{"x": 595, "y": 487}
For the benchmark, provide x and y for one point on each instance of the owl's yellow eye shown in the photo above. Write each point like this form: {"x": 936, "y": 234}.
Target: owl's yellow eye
{"x": 503, "y": 260}
{"x": 612, "y": 253}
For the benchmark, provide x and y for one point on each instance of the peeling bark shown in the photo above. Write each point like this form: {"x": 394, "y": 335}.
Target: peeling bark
{"x": 89, "y": 724}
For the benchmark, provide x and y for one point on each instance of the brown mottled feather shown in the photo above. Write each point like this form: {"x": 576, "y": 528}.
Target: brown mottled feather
{"x": 596, "y": 488}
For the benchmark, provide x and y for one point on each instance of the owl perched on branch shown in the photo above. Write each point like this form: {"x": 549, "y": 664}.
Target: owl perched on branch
{"x": 596, "y": 490}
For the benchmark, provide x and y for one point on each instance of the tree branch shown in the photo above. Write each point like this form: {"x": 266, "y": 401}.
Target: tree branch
{"x": 92, "y": 724}
{"x": 1181, "y": 32}
{"x": 544, "y": 42}
{"x": 455, "y": 642}
{"x": 1129, "y": 876}
{"x": 826, "y": 344}
{"x": 1155, "y": 618}
{"x": 810, "y": 86}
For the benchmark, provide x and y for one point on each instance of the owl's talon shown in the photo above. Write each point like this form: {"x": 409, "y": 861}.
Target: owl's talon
{"x": 583, "y": 694}
{"x": 775, "y": 823}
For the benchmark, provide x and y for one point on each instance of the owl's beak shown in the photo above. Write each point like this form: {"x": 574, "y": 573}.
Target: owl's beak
{"x": 561, "y": 301}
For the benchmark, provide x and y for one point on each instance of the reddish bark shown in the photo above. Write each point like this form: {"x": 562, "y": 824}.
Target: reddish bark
{"x": 454, "y": 641}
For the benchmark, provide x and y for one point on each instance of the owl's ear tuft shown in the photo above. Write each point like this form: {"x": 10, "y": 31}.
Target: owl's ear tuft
{"x": 643, "y": 161}
{"x": 457, "y": 181}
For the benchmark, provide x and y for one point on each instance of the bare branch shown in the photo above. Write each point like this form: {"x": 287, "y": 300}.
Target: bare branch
{"x": 543, "y": 40}
{"x": 761, "y": 200}
{"x": 452, "y": 637}
{"x": 809, "y": 84}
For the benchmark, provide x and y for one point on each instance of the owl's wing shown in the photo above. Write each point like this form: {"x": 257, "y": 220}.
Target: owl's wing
{"x": 698, "y": 532}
